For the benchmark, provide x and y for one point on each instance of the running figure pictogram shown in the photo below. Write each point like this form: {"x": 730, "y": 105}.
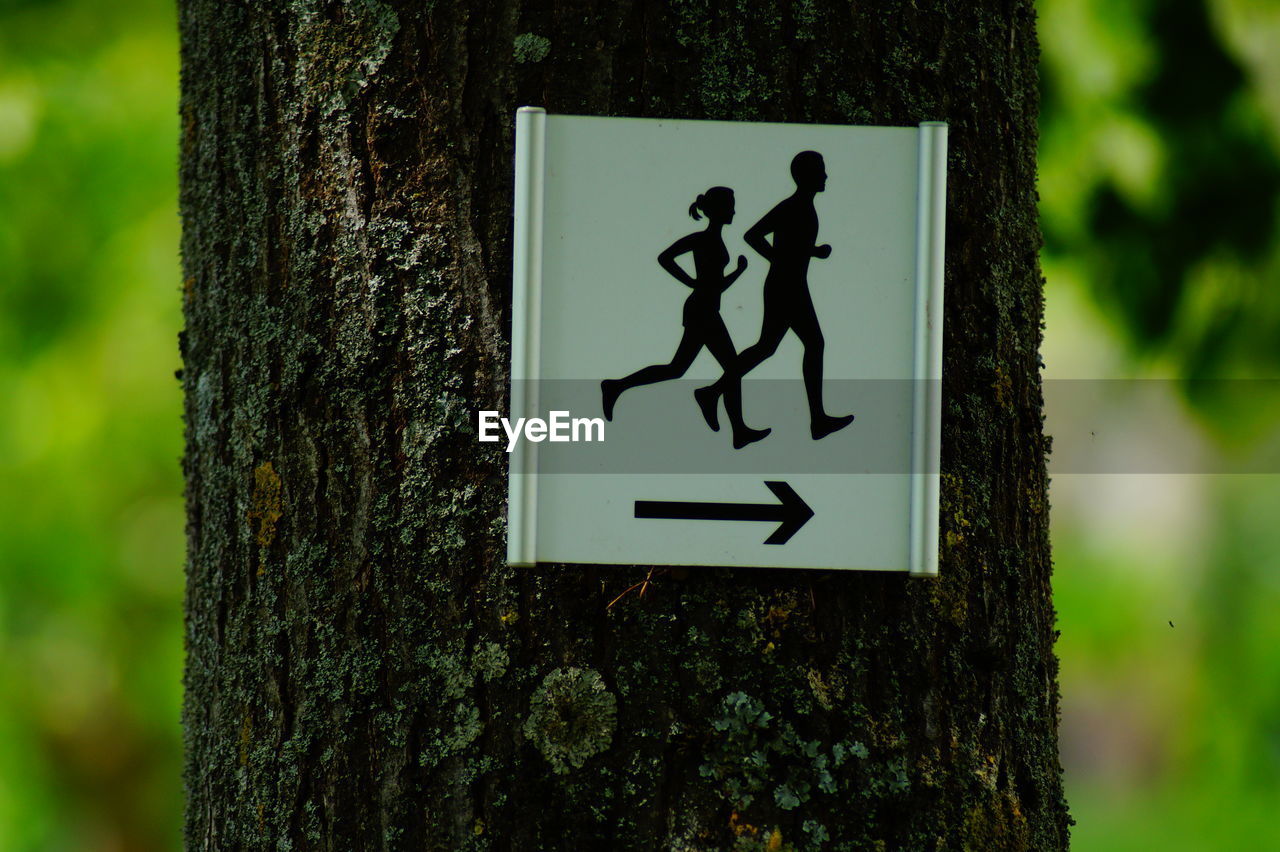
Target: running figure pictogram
{"x": 703, "y": 325}
{"x": 787, "y": 303}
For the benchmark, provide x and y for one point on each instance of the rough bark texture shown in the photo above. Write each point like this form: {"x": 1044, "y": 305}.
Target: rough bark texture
{"x": 364, "y": 672}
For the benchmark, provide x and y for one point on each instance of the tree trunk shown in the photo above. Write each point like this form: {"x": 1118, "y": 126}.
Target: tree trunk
{"x": 364, "y": 671}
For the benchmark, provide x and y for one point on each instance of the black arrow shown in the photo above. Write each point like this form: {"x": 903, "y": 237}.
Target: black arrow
{"x": 790, "y": 511}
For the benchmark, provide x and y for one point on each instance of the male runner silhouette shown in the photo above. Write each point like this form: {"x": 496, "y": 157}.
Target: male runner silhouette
{"x": 787, "y": 304}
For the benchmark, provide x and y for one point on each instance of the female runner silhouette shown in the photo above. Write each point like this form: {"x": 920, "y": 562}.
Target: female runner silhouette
{"x": 702, "y": 323}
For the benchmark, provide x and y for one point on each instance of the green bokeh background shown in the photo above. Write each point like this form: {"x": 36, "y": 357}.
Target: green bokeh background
{"x": 1160, "y": 179}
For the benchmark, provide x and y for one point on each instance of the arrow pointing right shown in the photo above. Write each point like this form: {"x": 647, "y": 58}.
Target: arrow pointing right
{"x": 790, "y": 511}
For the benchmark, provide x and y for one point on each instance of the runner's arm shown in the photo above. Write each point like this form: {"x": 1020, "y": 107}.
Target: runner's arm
{"x": 733, "y": 276}
{"x": 667, "y": 260}
{"x": 755, "y": 235}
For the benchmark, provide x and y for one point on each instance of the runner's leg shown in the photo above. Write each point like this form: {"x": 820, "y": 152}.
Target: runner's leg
{"x": 689, "y": 347}
{"x": 805, "y": 323}
{"x": 720, "y": 344}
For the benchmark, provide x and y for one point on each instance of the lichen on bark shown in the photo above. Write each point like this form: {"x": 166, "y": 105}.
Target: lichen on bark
{"x": 572, "y": 717}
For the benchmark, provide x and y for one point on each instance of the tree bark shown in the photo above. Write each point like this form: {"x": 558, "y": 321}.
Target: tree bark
{"x": 363, "y": 670}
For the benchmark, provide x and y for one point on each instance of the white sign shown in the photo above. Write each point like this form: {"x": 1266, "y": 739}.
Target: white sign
{"x": 754, "y": 311}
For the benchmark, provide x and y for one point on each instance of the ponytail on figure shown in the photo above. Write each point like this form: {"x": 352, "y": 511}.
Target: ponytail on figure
{"x": 696, "y": 206}
{"x": 716, "y": 202}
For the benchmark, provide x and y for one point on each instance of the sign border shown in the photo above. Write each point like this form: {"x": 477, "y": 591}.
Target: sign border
{"x": 526, "y": 317}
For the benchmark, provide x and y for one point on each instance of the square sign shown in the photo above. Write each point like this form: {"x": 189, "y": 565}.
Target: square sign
{"x": 726, "y": 344}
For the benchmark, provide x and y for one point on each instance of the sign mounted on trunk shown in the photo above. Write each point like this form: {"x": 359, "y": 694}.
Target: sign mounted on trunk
{"x": 746, "y": 320}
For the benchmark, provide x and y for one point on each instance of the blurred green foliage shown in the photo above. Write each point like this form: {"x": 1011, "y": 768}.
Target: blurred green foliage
{"x": 1160, "y": 173}
{"x": 1159, "y": 182}
{"x": 91, "y": 541}
{"x": 1170, "y": 654}
{"x": 1160, "y": 195}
